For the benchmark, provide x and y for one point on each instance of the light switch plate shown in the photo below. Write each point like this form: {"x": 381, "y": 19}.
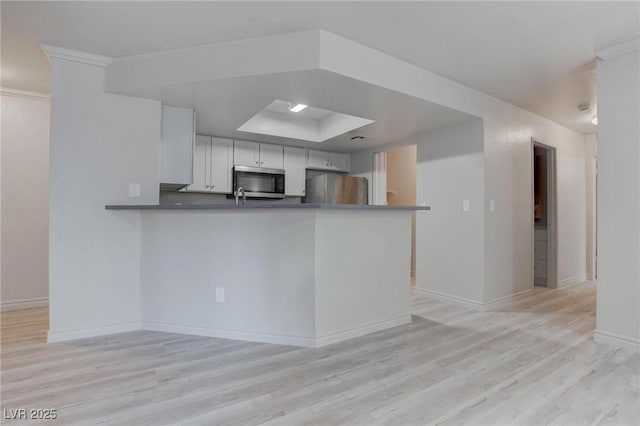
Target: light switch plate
{"x": 492, "y": 205}
{"x": 466, "y": 205}
{"x": 219, "y": 294}
{"x": 134, "y": 190}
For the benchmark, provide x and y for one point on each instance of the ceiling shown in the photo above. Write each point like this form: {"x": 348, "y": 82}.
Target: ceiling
{"x": 222, "y": 106}
{"x": 538, "y": 55}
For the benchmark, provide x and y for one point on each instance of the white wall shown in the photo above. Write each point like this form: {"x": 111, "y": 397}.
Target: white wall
{"x": 507, "y": 155}
{"x": 25, "y": 199}
{"x": 264, "y": 261}
{"x": 509, "y": 230}
{"x": 618, "y": 304}
{"x": 591, "y": 155}
{"x": 361, "y": 277}
{"x": 99, "y": 144}
{"x": 450, "y": 242}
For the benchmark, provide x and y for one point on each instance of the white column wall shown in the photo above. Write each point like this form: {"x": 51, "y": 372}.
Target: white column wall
{"x": 99, "y": 144}
{"x": 362, "y": 272}
{"x": 618, "y": 303}
{"x": 591, "y": 153}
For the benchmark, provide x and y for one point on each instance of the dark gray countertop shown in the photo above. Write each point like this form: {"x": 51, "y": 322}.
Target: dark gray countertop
{"x": 254, "y": 206}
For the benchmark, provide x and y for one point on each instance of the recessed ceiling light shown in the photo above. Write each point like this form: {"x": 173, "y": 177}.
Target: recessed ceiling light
{"x": 594, "y": 120}
{"x": 297, "y": 108}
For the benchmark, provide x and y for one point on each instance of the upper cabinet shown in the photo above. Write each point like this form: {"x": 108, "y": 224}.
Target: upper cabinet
{"x": 212, "y": 165}
{"x": 255, "y": 154}
{"x": 221, "y": 179}
{"x": 333, "y": 161}
{"x": 246, "y": 154}
{"x": 295, "y": 171}
{"x": 176, "y": 147}
{"x": 271, "y": 156}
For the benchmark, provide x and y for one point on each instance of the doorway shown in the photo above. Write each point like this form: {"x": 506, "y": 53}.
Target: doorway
{"x": 544, "y": 209}
{"x": 401, "y": 165}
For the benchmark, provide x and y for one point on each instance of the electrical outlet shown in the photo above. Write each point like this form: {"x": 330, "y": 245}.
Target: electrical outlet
{"x": 492, "y": 205}
{"x": 219, "y": 294}
{"x": 134, "y": 190}
{"x": 466, "y": 206}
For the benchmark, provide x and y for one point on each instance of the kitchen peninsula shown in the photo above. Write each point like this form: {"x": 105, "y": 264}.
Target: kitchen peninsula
{"x": 298, "y": 274}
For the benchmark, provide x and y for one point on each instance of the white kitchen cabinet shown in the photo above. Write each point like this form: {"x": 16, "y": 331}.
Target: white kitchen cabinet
{"x": 333, "y": 161}
{"x": 176, "y": 147}
{"x": 339, "y": 162}
{"x": 212, "y": 165}
{"x": 255, "y": 154}
{"x": 295, "y": 171}
{"x": 271, "y": 156}
{"x": 201, "y": 163}
{"x": 221, "y": 165}
{"x": 246, "y": 153}
{"x": 317, "y": 160}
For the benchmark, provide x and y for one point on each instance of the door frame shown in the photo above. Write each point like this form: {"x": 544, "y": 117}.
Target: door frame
{"x": 552, "y": 222}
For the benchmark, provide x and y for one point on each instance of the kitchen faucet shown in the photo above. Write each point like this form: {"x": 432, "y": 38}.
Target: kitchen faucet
{"x": 244, "y": 195}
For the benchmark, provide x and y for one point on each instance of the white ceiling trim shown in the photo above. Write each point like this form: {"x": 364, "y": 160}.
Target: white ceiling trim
{"x": 75, "y": 56}
{"x": 24, "y": 94}
{"x": 619, "y": 50}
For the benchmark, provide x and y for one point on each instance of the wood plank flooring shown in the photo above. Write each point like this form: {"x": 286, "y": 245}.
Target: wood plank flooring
{"x": 532, "y": 363}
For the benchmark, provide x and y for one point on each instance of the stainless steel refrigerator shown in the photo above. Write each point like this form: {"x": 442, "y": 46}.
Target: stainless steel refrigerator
{"x": 336, "y": 189}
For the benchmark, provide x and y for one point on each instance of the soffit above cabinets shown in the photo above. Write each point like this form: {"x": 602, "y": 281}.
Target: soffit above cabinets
{"x": 239, "y": 90}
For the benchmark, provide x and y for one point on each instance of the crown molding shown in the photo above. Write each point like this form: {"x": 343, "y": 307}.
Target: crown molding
{"x": 75, "y": 56}
{"x": 619, "y": 50}
{"x": 25, "y": 94}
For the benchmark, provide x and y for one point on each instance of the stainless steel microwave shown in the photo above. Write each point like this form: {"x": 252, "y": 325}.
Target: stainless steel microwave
{"x": 258, "y": 182}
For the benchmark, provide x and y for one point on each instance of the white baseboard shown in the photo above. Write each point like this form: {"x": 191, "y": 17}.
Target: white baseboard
{"x": 479, "y": 306}
{"x": 280, "y": 339}
{"x": 505, "y": 300}
{"x": 616, "y": 340}
{"x": 473, "y": 304}
{"x": 573, "y": 280}
{"x": 66, "y": 335}
{"x": 24, "y": 304}
{"x": 358, "y": 331}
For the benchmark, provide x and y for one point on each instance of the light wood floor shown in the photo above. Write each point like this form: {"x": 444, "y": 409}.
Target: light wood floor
{"x": 534, "y": 363}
